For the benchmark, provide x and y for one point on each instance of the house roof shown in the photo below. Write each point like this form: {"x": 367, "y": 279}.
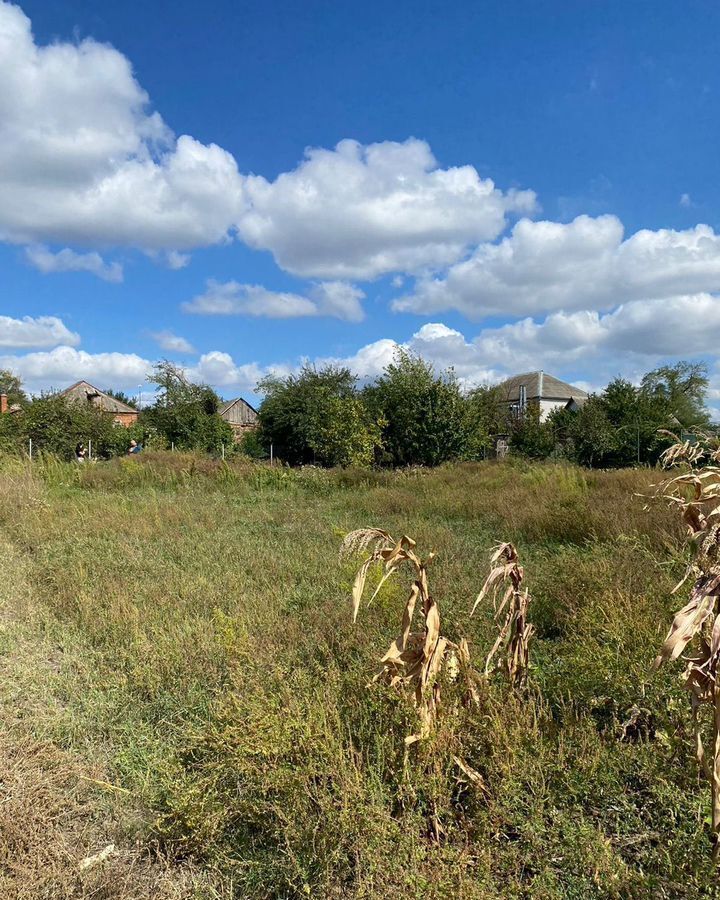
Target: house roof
{"x": 539, "y": 386}
{"x": 83, "y": 390}
{"x": 230, "y": 403}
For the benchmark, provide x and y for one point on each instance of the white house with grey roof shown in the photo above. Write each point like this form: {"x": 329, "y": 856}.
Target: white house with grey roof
{"x": 542, "y": 390}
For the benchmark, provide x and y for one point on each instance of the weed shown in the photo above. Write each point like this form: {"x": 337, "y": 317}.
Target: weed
{"x": 414, "y": 658}
{"x": 515, "y": 632}
{"x": 695, "y": 493}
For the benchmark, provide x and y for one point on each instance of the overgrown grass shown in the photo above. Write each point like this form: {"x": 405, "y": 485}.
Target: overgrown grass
{"x": 203, "y": 658}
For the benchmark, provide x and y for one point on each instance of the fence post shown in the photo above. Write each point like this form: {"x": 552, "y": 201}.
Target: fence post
{"x": 172, "y": 446}
{"x": 271, "y": 454}
{"x": 30, "y": 441}
{"x": 223, "y": 452}
{"x": 89, "y": 449}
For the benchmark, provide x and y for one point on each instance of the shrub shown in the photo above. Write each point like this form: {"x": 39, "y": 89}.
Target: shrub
{"x": 186, "y": 414}
{"x": 423, "y": 414}
{"x": 317, "y": 416}
{"x": 56, "y": 426}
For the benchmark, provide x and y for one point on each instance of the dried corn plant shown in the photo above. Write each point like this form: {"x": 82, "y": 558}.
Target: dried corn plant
{"x": 416, "y": 657}
{"x": 695, "y": 493}
{"x": 513, "y": 602}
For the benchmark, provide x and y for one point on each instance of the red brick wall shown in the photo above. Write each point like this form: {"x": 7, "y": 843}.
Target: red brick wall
{"x": 125, "y": 418}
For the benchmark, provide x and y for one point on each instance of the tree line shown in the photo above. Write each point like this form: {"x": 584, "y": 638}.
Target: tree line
{"x": 411, "y": 415}
{"x": 182, "y": 414}
{"x": 414, "y": 416}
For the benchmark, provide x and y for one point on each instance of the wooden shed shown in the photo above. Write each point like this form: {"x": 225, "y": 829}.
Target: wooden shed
{"x": 239, "y": 415}
{"x": 84, "y": 392}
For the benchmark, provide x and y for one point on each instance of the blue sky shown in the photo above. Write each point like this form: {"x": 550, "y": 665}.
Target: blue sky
{"x": 499, "y": 186}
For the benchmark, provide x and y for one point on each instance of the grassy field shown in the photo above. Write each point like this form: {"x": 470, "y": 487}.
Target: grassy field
{"x": 181, "y": 678}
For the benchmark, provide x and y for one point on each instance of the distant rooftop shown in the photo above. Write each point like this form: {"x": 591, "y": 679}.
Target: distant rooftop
{"x": 88, "y": 393}
{"x": 229, "y": 403}
{"x": 539, "y": 386}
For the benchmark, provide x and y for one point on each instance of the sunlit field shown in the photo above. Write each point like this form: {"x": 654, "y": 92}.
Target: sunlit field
{"x": 181, "y": 679}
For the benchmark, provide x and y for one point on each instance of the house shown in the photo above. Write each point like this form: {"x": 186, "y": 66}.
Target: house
{"x": 5, "y": 408}
{"x": 84, "y": 392}
{"x": 541, "y": 389}
{"x": 239, "y": 415}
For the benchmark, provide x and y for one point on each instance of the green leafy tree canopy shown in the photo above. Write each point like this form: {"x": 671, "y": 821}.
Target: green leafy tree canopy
{"x": 11, "y": 385}
{"x": 424, "y": 414}
{"x": 317, "y": 416}
{"x": 184, "y": 413}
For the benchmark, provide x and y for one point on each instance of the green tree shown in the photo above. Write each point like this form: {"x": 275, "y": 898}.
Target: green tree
{"x": 186, "y": 414}
{"x": 11, "y": 385}
{"x": 531, "y": 437}
{"x": 424, "y": 414}
{"x": 638, "y": 416}
{"x": 586, "y": 435}
{"x": 122, "y": 397}
{"x": 485, "y": 417}
{"x": 56, "y": 426}
{"x": 682, "y": 388}
{"x": 317, "y": 416}
{"x": 623, "y": 425}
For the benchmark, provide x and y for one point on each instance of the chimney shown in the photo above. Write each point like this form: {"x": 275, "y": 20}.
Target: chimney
{"x": 523, "y": 396}
{"x": 3, "y": 403}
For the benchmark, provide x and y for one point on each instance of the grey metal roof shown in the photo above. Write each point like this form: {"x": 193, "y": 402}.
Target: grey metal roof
{"x": 539, "y": 386}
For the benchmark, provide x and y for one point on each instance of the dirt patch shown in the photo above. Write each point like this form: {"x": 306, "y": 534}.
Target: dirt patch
{"x": 55, "y": 836}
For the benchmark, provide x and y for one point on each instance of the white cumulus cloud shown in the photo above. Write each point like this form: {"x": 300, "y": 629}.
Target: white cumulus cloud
{"x": 338, "y": 299}
{"x": 221, "y": 371}
{"x": 545, "y": 266}
{"x": 585, "y": 347}
{"x": 64, "y": 365}
{"x": 43, "y": 331}
{"x": 435, "y": 342}
{"x": 84, "y": 161}
{"x": 358, "y": 212}
{"x": 173, "y": 343}
{"x": 68, "y": 260}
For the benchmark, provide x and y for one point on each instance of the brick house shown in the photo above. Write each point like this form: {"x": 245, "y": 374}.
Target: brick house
{"x": 84, "y": 392}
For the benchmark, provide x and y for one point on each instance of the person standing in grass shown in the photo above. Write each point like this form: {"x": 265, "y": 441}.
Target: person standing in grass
{"x": 80, "y": 453}
{"x": 134, "y": 447}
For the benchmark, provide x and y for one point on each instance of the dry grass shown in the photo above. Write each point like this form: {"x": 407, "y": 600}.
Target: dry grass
{"x": 695, "y": 494}
{"x": 178, "y": 632}
{"x": 55, "y": 813}
{"x": 516, "y": 631}
{"x": 51, "y": 827}
{"x": 415, "y": 659}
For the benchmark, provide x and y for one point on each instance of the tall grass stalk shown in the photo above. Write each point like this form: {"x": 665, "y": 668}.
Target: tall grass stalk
{"x": 516, "y": 631}
{"x": 695, "y": 494}
{"x": 415, "y": 658}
